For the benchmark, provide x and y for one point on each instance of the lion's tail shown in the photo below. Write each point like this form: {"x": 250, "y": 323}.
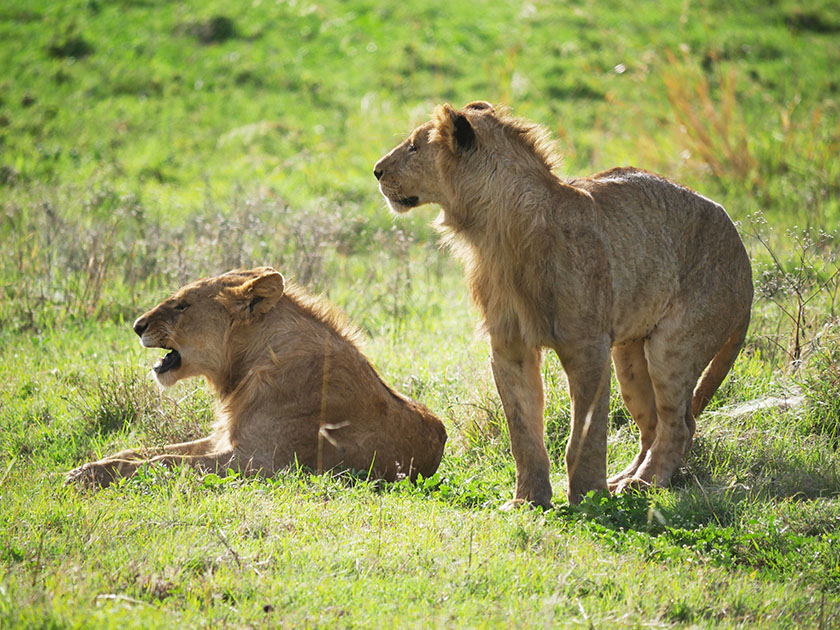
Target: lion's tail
{"x": 719, "y": 367}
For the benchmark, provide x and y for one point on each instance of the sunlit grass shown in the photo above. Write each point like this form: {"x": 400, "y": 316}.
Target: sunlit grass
{"x": 144, "y": 144}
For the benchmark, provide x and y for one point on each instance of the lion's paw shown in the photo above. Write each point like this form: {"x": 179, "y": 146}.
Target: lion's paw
{"x": 614, "y": 484}
{"x": 631, "y": 484}
{"x": 513, "y": 505}
{"x": 520, "y": 504}
{"x": 80, "y": 475}
{"x": 89, "y": 475}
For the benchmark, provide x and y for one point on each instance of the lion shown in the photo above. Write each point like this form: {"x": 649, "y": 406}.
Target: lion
{"x": 291, "y": 386}
{"x": 624, "y": 264}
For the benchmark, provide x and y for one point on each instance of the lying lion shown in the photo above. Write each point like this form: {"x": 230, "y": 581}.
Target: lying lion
{"x": 623, "y": 264}
{"x": 290, "y": 382}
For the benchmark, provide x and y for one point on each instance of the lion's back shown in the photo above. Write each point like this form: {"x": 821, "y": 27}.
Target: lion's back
{"x": 664, "y": 239}
{"x": 648, "y": 213}
{"x": 327, "y": 388}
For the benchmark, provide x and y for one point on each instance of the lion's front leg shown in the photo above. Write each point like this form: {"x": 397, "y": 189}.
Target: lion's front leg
{"x": 108, "y": 469}
{"x": 516, "y": 370}
{"x": 587, "y": 370}
{"x": 104, "y": 472}
{"x": 125, "y": 463}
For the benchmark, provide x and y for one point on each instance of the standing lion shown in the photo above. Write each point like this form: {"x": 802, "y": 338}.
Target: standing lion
{"x": 623, "y": 264}
{"x": 291, "y": 386}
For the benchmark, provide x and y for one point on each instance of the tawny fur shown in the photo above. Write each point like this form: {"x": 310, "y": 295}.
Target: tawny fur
{"x": 291, "y": 386}
{"x": 624, "y": 264}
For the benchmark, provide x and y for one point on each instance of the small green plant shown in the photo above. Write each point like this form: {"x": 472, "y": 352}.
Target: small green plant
{"x": 795, "y": 284}
{"x": 822, "y": 384}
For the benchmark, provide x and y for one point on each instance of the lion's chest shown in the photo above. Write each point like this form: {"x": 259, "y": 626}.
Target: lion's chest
{"x": 510, "y": 306}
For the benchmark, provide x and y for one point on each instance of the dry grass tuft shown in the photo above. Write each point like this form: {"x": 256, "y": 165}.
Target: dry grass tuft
{"x": 709, "y": 116}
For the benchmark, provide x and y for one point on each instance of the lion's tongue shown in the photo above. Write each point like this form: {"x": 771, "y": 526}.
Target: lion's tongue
{"x": 170, "y": 361}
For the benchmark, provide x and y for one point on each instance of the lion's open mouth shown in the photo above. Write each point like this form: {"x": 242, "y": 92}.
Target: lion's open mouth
{"x": 170, "y": 361}
{"x": 408, "y": 202}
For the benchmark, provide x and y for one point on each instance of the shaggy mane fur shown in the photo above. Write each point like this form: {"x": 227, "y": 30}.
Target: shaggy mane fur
{"x": 533, "y": 136}
{"x": 319, "y": 308}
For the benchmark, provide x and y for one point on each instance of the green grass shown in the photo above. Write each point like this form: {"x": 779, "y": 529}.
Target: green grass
{"x": 146, "y": 143}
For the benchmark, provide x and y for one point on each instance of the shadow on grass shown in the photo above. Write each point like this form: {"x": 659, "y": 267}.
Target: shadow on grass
{"x": 676, "y": 528}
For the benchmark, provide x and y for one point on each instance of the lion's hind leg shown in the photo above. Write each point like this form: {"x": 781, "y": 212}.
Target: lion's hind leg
{"x": 677, "y": 352}
{"x": 631, "y": 370}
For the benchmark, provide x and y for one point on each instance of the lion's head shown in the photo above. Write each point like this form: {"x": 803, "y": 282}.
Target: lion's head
{"x": 196, "y": 322}
{"x": 452, "y": 158}
{"x": 409, "y": 175}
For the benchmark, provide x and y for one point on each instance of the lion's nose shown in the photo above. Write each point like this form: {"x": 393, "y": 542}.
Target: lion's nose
{"x": 140, "y": 326}
{"x": 377, "y": 173}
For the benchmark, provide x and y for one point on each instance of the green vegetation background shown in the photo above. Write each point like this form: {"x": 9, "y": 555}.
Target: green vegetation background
{"x": 145, "y": 143}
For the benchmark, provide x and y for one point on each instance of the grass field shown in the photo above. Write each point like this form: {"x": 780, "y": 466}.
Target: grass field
{"x": 144, "y": 143}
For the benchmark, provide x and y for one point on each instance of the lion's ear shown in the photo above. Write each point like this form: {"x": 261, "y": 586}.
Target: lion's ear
{"x": 480, "y": 106}
{"x": 454, "y": 129}
{"x": 258, "y": 295}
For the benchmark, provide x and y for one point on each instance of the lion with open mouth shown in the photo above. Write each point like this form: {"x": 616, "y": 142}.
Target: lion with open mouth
{"x": 291, "y": 386}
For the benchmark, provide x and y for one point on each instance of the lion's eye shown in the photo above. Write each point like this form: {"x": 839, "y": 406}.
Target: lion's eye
{"x": 412, "y": 148}
{"x": 180, "y": 306}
